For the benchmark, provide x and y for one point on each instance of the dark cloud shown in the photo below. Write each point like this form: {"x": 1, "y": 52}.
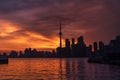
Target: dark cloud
{"x": 91, "y": 18}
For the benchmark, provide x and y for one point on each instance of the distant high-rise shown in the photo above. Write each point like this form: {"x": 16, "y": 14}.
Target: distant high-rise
{"x": 67, "y": 43}
{"x": 95, "y": 46}
{"x": 101, "y": 46}
{"x": 90, "y": 47}
{"x": 118, "y": 41}
{"x": 118, "y": 38}
{"x": 73, "y": 41}
{"x": 80, "y": 40}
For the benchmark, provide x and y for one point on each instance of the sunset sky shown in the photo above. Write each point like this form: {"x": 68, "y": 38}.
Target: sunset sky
{"x": 35, "y": 23}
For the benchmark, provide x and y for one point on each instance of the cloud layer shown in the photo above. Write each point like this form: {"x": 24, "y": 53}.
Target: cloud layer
{"x": 35, "y": 23}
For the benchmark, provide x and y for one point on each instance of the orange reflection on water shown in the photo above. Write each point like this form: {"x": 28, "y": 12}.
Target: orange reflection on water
{"x": 55, "y": 69}
{"x": 32, "y": 69}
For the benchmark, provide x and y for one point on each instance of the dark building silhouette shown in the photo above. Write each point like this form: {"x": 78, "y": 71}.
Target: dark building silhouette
{"x": 107, "y": 53}
{"x": 95, "y": 47}
{"x": 72, "y": 47}
{"x": 101, "y": 46}
{"x": 89, "y": 51}
{"x": 80, "y": 40}
{"x": 21, "y": 54}
{"x": 67, "y": 52}
{"x": 75, "y": 50}
{"x": 79, "y": 49}
{"x": 73, "y": 41}
{"x": 13, "y": 54}
{"x": 67, "y": 43}
{"x": 27, "y": 52}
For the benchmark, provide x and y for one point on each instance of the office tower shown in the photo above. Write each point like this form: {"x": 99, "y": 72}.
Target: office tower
{"x": 95, "y": 47}
{"x": 67, "y": 43}
{"x": 101, "y": 46}
{"x": 80, "y": 40}
{"x": 73, "y": 41}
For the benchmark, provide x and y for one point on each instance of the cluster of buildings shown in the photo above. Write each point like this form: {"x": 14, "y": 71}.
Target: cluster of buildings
{"x": 31, "y": 53}
{"x": 74, "y": 50}
{"x": 70, "y": 50}
{"x": 108, "y": 52}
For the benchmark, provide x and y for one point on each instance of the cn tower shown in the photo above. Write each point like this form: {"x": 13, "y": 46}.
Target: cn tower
{"x": 60, "y": 34}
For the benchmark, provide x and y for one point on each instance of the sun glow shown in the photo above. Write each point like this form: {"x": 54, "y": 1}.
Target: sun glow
{"x": 6, "y": 28}
{"x": 12, "y": 39}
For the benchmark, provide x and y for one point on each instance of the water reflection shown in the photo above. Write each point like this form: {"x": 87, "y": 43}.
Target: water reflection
{"x": 57, "y": 69}
{"x": 79, "y": 69}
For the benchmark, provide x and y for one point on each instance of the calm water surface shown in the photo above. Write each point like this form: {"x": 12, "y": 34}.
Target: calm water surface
{"x": 57, "y": 69}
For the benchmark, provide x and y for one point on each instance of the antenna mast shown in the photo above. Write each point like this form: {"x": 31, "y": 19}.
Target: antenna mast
{"x": 60, "y": 34}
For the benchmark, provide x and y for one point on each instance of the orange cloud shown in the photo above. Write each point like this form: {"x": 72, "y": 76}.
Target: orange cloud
{"x": 39, "y": 41}
{"x": 12, "y": 39}
{"x": 7, "y": 27}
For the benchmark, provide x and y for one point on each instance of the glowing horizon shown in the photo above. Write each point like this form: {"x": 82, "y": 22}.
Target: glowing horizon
{"x": 26, "y": 40}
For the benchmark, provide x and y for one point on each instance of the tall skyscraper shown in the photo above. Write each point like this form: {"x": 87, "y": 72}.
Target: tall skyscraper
{"x": 101, "y": 46}
{"x": 80, "y": 40}
{"x": 67, "y": 43}
{"x": 73, "y": 41}
{"x": 95, "y": 47}
{"x": 118, "y": 41}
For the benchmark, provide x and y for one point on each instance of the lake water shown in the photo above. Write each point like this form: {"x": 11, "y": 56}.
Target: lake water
{"x": 57, "y": 69}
